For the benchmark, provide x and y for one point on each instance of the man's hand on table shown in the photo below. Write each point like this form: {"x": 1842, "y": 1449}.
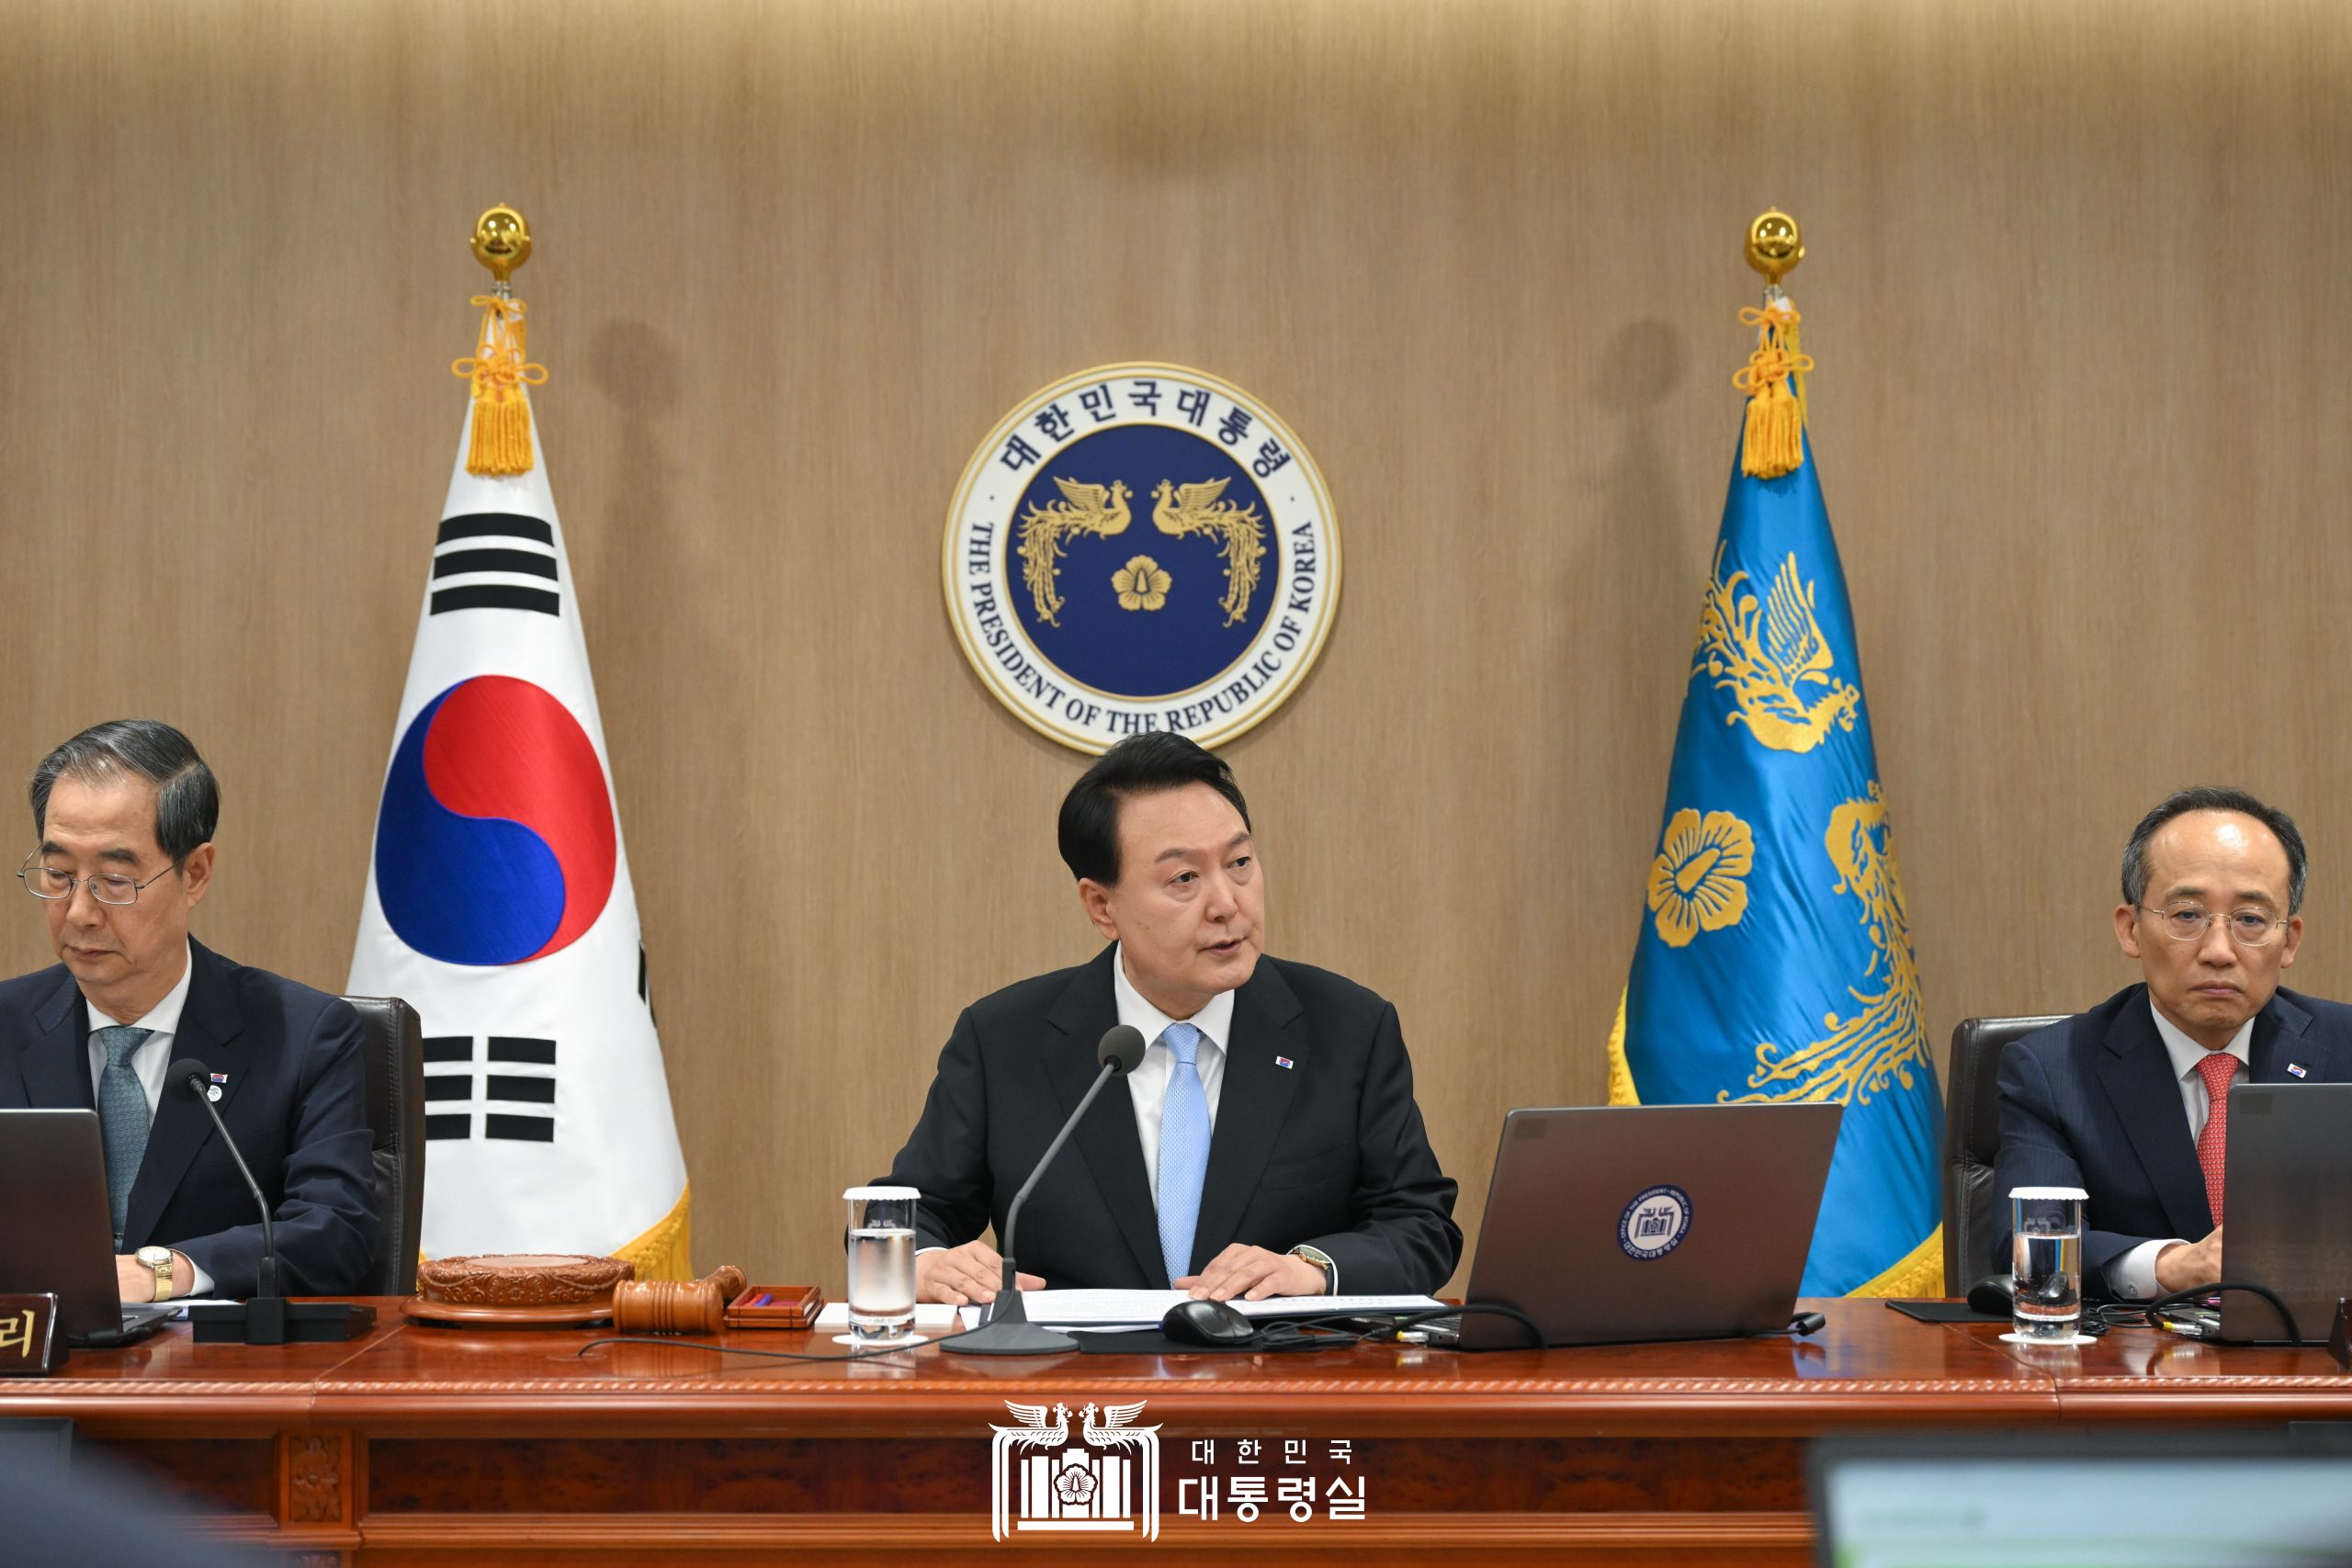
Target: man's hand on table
{"x": 961, "y": 1275}
{"x": 2187, "y": 1265}
{"x": 1252, "y": 1273}
{"x": 137, "y": 1282}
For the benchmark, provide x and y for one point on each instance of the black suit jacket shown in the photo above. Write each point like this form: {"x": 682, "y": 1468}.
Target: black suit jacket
{"x": 296, "y": 1101}
{"x": 2092, "y": 1102}
{"x": 1328, "y": 1150}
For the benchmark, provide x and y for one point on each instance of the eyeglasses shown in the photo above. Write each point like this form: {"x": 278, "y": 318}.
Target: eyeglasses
{"x": 2187, "y": 922}
{"x": 47, "y": 881}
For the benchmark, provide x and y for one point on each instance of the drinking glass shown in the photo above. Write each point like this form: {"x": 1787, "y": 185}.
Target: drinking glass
{"x": 2046, "y": 1261}
{"x": 881, "y": 1241}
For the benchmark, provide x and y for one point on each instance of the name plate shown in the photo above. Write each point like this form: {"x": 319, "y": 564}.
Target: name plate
{"x": 30, "y": 1345}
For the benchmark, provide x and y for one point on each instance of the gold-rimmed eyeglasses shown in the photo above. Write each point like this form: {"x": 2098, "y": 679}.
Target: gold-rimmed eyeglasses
{"x": 2187, "y": 922}
{"x": 50, "y": 883}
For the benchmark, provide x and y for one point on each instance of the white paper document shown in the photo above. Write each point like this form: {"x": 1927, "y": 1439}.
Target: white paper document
{"x": 834, "y": 1317}
{"x": 1133, "y": 1309}
{"x": 1144, "y": 1309}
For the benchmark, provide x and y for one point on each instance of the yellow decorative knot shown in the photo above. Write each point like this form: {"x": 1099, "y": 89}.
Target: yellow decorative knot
{"x": 1141, "y": 585}
{"x": 1698, "y": 881}
{"x": 502, "y": 427}
{"x": 1773, "y": 380}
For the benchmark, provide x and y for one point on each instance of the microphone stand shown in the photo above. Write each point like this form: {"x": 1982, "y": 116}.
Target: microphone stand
{"x": 1006, "y": 1330}
{"x": 268, "y": 1318}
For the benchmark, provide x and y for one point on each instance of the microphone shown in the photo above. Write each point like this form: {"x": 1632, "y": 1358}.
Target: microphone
{"x": 1007, "y": 1330}
{"x": 268, "y": 1318}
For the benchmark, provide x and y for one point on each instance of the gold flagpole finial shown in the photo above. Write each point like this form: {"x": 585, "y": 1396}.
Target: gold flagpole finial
{"x": 1774, "y": 246}
{"x": 500, "y": 445}
{"x": 1774, "y": 378}
{"x": 502, "y": 241}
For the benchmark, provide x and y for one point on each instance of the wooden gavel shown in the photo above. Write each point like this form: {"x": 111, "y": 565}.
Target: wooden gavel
{"x": 676, "y": 1306}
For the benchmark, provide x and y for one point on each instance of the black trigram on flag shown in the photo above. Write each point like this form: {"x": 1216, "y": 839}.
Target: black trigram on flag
{"x": 493, "y": 544}
{"x": 453, "y": 1083}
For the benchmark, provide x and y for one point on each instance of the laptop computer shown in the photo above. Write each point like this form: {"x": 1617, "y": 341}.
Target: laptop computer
{"x": 2287, "y": 1175}
{"x": 1618, "y": 1224}
{"x": 2188, "y": 1499}
{"x": 55, "y": 1231}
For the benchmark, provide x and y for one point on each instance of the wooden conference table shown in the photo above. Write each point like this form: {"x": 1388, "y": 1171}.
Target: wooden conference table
{"x": 418, "y": 1445}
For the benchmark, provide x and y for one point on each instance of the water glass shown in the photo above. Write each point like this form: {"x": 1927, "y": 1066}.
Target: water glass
{"x": 2046, "y": 1261}
{"x": 881, "y": 1240}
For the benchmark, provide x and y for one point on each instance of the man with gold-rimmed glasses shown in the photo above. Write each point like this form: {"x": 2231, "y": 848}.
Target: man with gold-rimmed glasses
{"x": 2130, "y": 1100}
{"x": 124, "y": 816}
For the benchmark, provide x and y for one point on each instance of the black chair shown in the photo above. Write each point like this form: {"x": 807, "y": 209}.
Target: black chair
{"x": 391, "y": 1042}
{"x": 1972, "y": 1138}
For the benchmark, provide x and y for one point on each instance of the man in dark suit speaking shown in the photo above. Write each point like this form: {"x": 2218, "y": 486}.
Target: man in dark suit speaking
{"x": 2129, "y": 1101}
{"x": 123, "y": 813}
{"x": 1268, "y": 1144}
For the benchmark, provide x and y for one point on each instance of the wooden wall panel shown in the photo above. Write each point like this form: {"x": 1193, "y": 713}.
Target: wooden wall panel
{"x": 2077, "y": 288}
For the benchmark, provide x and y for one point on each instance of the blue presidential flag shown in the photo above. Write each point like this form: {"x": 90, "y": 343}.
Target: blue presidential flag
{"x": 1774, "y": 962}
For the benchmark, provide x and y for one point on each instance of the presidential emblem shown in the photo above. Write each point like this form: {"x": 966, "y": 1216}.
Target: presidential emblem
{"x": 1138, "y": 547}
{"x": 1655, "y": 1222}
{"x": 1105, "y": 1480}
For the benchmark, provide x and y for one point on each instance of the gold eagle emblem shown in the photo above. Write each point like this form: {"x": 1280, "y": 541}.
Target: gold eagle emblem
{"x": 1774, "y": 660}
{"x": 1885, "y": 1038}
{"x": 1241, "y": 538}
{"x": 1083, "y": 509}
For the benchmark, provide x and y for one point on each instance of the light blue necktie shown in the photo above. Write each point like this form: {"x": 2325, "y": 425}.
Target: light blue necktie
{"x": 123, "y": 1117}
{"x": 1184, "y": 1149}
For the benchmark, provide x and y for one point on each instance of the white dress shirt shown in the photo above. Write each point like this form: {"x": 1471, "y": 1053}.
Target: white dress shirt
{"x": 150, "y": 1061}
{"x": 2133, "y": 1275}
{"x": 1148, "y": 1085}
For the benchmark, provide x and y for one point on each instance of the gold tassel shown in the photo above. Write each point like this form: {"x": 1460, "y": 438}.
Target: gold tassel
{"x": 1774, "y": 378}
{"x": 501, "y": 429}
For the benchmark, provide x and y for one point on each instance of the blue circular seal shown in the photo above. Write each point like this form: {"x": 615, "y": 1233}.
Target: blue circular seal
{"x": 1655, "y": 1222}
{"x": 1141, "y": 547}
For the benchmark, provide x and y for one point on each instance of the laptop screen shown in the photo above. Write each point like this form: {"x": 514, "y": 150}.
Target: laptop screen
{"x": 2196, "y": 1501}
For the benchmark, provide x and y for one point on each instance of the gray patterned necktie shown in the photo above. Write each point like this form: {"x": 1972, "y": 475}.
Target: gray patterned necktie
{"x": 123, "y": 1117}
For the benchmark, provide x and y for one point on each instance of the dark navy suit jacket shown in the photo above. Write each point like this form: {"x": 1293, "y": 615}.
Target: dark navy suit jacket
{"x": 2092, "y": 1102}
{"x": 1317, "y": 1138}
{"x": 295, "y": 1100}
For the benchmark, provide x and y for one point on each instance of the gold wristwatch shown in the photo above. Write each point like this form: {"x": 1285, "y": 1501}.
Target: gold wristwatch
{"x": 158, "y": 1258}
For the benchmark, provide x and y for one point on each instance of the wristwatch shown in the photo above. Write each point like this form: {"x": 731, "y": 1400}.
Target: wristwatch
{"x": 1321, "y": 1259}
{"x": 158, "y": 1258}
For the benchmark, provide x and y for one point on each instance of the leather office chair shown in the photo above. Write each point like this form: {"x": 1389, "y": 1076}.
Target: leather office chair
{"x": 1972, "y": 1138}
{"x": 392, "y": 1044}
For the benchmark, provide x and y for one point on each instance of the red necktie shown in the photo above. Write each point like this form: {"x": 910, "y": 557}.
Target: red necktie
{"x": 2218, "y": 1067}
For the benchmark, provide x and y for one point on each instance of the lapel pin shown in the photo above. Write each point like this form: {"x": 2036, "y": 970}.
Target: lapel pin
{"x": 1282, "y": 1061}
{"x": 2297, "y": 1068}
{"x": 213, "y": 1093}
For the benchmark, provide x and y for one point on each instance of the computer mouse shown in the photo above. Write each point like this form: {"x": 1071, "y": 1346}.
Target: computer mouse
{"x": 1993, "y": 1295}
{"x": 1207, "y": 1323}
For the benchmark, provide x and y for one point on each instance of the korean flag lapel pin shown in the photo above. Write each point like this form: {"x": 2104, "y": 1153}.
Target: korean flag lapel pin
{"x": 213, "y": 1092}
{"x": 1284, "y": 1062}
{"x": 2297, "y": 1070}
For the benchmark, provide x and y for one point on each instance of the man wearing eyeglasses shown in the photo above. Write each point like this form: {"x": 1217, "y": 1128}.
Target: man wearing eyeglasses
{"x": 124, "y": 816}
{"x": 2130, "y": 1100}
